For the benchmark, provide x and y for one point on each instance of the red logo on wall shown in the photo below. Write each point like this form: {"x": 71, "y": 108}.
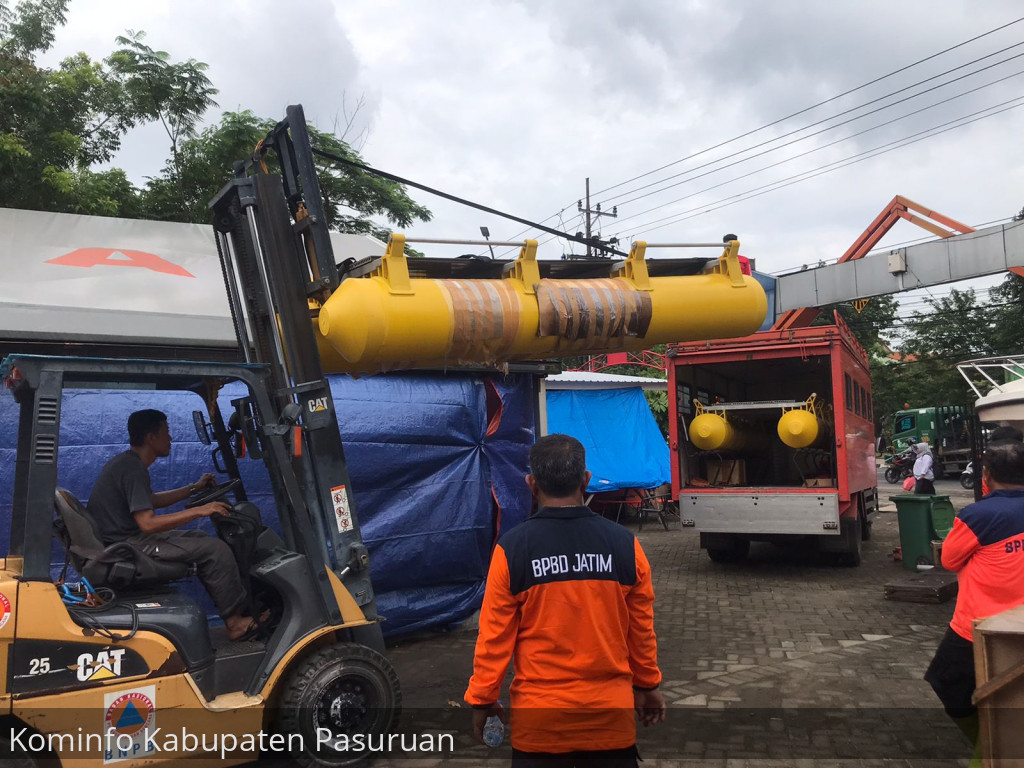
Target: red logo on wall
{"x": 115, "y": 257}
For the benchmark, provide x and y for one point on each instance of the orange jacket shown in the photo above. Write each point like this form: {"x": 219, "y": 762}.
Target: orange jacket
{"x": 569, "y": 600}
{"x": 986, "y": 549}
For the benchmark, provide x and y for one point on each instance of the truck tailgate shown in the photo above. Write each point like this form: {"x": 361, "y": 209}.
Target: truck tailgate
{"x": 754, "y": 511}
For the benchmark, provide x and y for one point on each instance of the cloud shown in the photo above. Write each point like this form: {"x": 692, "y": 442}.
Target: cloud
{"x": 514, "y": 104}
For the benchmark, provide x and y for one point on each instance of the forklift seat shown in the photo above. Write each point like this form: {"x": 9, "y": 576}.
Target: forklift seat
{"x": 117, "y": 566}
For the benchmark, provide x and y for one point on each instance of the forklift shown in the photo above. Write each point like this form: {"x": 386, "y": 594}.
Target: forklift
{"x": 92, "y": 671}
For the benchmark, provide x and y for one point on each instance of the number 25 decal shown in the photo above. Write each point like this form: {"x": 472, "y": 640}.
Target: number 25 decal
{"x": 39, "y": 666}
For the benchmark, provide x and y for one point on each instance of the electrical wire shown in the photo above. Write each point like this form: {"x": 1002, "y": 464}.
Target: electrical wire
{"x": 812, "y": 135}
{"x": 807, "y": 109}
{"x": 815, "y": 106}
{"x": 463, "y": 201}
{"x": 812, "y": 151}
{"x": 843, "y": 160}
{"x": 813, "y": 173}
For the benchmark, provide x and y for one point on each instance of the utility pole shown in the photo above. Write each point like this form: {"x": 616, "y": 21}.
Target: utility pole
{"x": 597, "y": 213}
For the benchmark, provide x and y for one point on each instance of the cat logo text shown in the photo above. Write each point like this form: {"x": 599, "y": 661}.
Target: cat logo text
{"x": 103, "y": 665}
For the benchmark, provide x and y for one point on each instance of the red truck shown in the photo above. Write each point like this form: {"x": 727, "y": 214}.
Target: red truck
{"x": 742, "y": 480}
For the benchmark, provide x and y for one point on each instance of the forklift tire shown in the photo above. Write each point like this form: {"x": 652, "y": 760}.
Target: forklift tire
{"x": 852, "y": 533}
{"x": 736, "y": 553}
{"x": 346, "y": 688}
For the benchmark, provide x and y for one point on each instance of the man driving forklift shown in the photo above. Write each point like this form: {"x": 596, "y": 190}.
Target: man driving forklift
{"x": 123, "y": 504}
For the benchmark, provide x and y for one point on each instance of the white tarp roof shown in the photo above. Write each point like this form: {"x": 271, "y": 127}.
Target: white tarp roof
{"x": 586, "y": 380}
{"x": 97, "y": 279}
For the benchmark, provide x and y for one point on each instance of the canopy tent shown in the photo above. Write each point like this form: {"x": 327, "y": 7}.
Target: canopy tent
{"x": 625, "y": 447}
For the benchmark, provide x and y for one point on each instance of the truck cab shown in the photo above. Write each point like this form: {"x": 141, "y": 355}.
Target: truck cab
{"x": 947, "y": 428}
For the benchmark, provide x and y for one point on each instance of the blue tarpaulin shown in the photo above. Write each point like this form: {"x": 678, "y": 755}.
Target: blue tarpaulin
{"x": 625, "y": 448}
{"x": 436, "y": 464}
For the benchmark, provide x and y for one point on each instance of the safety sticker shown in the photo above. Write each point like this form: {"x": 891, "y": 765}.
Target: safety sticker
{"x": 147, "y": 605}
{"x": 342, "y": 514}
{"x": 130, "y": 717}
{"x": 5, "y": 609}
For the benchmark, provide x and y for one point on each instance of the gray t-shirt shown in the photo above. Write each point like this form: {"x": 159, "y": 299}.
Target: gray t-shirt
{"x": 121, "y": 490}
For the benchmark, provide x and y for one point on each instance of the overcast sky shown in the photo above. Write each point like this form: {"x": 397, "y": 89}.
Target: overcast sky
{"x": 513, "y": 104}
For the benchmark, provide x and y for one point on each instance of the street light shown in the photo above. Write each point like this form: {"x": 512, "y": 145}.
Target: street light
{"x": 487, "y": 236}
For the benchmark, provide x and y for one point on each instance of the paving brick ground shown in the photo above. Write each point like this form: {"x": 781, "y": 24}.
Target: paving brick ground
{"x": 786, "y": 660}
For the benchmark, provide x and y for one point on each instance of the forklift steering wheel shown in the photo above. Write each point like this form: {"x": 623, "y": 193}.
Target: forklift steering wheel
{"x": 214, "y": 494}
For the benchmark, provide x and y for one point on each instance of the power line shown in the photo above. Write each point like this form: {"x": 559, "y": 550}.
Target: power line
{"x": 921, "y": 317}
{"x": 820, "y": 103}
{"x": 818, "y": 133}
{"x": 812, "y": 151}
{"x": 399, "y": 180}
{"x": 798, "y": 113}
{"x": 795, "y": 179}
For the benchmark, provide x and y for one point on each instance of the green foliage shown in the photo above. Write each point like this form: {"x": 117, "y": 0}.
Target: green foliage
{"x": 182, "y": 190}
{"x": 871, "y": 325}
{"x": 954, "y": 329}
{"x": 57, "y": 124}
{"x": 30, "y": 28}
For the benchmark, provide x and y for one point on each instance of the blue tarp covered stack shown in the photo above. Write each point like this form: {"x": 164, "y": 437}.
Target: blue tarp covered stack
{"x": 436, "y": 463}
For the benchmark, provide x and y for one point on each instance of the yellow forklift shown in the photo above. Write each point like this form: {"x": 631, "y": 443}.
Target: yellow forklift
{"x": 123, "y": 668}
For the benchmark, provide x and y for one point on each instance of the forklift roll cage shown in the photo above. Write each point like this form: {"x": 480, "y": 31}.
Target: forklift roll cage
{"x": 37, "y": 384}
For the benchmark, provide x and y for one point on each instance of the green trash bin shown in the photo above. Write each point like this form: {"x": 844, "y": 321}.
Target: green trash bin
{"x": 922, "y": 519}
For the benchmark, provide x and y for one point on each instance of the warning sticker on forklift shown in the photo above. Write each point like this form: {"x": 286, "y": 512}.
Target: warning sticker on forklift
{"x": 342, "y": 514}
{"x": 5, "y": 609}
{"x": 130, "y": 717}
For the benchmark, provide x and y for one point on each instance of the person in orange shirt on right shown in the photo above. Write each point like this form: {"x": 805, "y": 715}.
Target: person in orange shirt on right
{"x": 1001, "y": 435}
{"x": 986, "y": 550}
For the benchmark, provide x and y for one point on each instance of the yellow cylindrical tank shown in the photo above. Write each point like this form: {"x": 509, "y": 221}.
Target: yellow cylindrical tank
{"x": 801, "y": 428}
{"x": 712, "y": 432}
{"x": 391, "y": 321}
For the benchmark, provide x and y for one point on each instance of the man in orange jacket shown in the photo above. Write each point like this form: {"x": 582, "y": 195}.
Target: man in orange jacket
{"x": 569, "y": 599}
{"x": 986, "y": 549}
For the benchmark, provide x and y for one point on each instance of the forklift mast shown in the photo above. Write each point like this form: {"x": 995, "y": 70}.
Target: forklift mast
{"x": 277, "y": 262}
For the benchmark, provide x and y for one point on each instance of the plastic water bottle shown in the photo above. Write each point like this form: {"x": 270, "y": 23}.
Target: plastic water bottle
{"x": 494, "y": 731}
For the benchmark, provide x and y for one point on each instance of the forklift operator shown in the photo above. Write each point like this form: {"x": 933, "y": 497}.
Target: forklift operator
{"x": 122, "y": 504}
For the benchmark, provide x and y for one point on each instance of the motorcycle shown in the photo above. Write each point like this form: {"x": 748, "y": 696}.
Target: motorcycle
{"x": 900, "y": 466}
{"x": 967, "y": 476}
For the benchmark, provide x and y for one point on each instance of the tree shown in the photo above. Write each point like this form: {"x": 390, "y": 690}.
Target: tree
{"x": 183, "y": 188}
{"x": 57, "y": 125}
{"x": 955, "y": 329}
{"x": 177, "y": 94}
{"x": 872, "y": 325}
{"x": 1007, "y": 307}
{"x": 54, "y": 124}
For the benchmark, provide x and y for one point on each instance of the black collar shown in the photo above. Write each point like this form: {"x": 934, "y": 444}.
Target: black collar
{"x": 564, "y": 513}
